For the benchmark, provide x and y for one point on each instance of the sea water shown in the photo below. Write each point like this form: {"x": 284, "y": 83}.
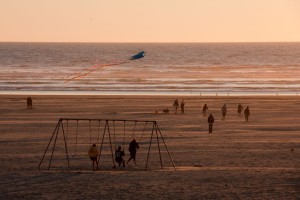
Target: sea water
{"x": 167, "y": 68}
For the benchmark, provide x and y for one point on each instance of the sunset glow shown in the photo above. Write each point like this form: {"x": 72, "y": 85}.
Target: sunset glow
{"x": 150, "y": 21}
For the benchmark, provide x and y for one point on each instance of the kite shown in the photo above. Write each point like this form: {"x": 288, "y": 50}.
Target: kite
{"x": 93, "y": 68}
{"x": 138, "y": 56}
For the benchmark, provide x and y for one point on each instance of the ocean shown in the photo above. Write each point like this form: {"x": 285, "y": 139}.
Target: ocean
{"x": 167, "y": 68}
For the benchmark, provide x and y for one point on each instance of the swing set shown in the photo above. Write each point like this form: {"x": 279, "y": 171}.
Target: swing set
{"x": 86, "y": 136}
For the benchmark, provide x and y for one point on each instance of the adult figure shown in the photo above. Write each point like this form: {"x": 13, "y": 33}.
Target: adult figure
{"x": 210, "y": 121}
{"x": 240, "y": 109}
{"x": 133, "y": 146}
{"x": 204, "y": 109}
{"x": 247, "y": 113}
{"x": 176, "y": 105}
{"x": 93, "y": 154}
{"x": 182, "y": 104}
{"x": 29, "y": 103}
{"x": 119, "y": 154}
{"x": 224, "y": 111}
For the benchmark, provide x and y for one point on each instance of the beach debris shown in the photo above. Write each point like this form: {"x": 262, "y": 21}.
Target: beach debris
{"x": 166, "y": 110}
{"x": 95, "y": 67}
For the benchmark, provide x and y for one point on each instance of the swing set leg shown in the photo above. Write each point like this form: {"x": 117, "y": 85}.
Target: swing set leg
{"x": 57, "y": 125}
{"x": 149, "y": 148}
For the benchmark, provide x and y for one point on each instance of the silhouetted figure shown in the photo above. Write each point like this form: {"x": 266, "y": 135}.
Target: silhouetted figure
{"x": 240, "y": 109}
{"x": 204, "y": 109}
{"x": 119, "y": 156}
{"x": 93, "y": 154}
{"x": 29, "y": 103}
{"x": 182, "y": 104}
{"x": 133, "y": 146}
{"x": 224, "y": 111}
{"x": 176, "y": 105}
{"x": 210, "y": 121}
{"x": 247, "y": 114}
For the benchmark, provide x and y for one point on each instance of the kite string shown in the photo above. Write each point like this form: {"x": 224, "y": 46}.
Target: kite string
{"x": 92, "y": 69}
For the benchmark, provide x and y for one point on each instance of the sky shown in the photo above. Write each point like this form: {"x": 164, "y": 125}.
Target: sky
{"x": 149, "y": 20}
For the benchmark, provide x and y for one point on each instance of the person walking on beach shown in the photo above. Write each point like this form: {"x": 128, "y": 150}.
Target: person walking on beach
{"x": 182, "y": 104}
{"x": 93, "y": 154}
{"x": 204, "y": 109}
{"x": 224, "y": 111}
{"x": 176, "y": 105}
{"x": 247, "y": 113}
{"x": 29, "y": 103}
{"x": 240, "y": 109}
{"x": 133, "y": 146}
{"x": 119, "y": 156}
{"x": 210, "y": 121}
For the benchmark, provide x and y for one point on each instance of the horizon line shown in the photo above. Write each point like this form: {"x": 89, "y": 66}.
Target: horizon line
{"x": 146, "y": 42}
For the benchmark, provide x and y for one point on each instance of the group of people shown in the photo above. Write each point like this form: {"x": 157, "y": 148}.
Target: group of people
{"x": 176, "y": 105}
{"x": 211, "y": 119}
{"x": 119, "y": 154}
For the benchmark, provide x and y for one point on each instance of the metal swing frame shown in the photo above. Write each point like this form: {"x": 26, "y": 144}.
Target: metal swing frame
{"x": 60, "y": 125}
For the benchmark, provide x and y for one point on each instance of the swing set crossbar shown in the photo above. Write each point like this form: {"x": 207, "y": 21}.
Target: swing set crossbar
{"x": 115, "y": 120}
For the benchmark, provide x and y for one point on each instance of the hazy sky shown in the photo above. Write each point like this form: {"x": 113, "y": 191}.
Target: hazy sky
{"x": 150, "y": 20}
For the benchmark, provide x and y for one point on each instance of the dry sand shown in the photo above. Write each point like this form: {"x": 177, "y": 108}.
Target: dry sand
{"x": 255, "y": 160}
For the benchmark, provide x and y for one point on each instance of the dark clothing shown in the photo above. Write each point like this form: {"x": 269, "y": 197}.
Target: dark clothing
{"x": 93, "y": 158}
{"x": 176, "y": 104}
{"x": 205, "y": 108}
{"x": 210, "y": 121}
{"x": 182, "y": 107}
{"x": 247, "y": 113}
{"x": 119, "y": 157}
{"x": 133, "y": 146}
{"x": 240, "y": 108}
{"x": 29, "y": 103}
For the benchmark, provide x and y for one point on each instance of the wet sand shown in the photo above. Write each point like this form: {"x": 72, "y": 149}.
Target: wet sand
{"x": 259, "y": 159}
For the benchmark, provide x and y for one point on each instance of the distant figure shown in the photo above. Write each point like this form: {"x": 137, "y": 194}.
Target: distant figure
{"x": 119, "y": 156}
{"x": 166, "y": 110}
{"x": 182, "y": 104}
{"x": 210, "y": 121}
{"x": 133, "y": 146}
{"x": 29, "y": 103}
{"x": 224, "y": 111}
{"x": 247, "y": 113}
{"x": 240, "y": 109}
{"x": 93, "y": 154}
{"x": 176, "y": 105}
{"x": 204, "y": 109}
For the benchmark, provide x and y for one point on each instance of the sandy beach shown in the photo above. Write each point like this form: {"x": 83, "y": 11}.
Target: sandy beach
{"x": 259, "y": 159}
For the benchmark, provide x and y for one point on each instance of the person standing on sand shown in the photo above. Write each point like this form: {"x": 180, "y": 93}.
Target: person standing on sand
{"x": 204, "y": 109}
{"x": 176, "y": 105}
{"x": 224, "y": 111}
{"x": 240, "y": 109}
{"x": 133, "y": 146}
{"x": 182, "y": 104}
{"x": 29, "y": 103}
{"x": 210, "y": 121}
{"x": 247, "y": 113}
{"x": 93, "y": 154}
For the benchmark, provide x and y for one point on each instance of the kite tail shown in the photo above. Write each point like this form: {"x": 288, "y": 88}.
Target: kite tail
{"x": 92, "y": 69}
